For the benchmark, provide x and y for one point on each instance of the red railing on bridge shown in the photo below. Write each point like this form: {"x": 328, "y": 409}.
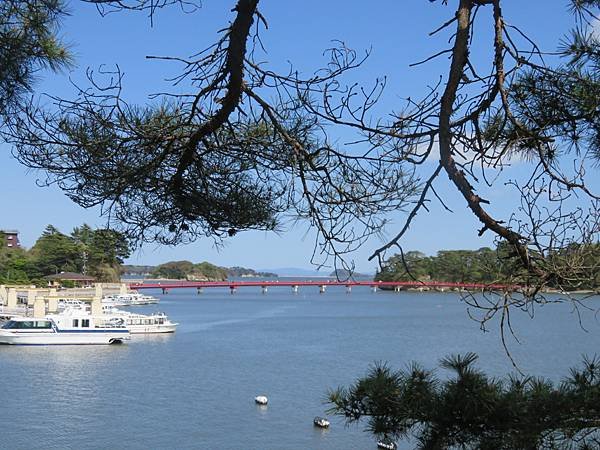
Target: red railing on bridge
{"x": 292, "y": 283}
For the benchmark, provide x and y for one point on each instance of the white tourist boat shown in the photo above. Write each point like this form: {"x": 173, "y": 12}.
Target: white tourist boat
{"x": 142, "y": 323}
{"x": 130, "y": 299}
{"x": 72, "y": 327}
{"x": 67, "y": 303}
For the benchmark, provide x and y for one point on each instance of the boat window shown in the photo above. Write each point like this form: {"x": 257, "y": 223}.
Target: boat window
{"x": 85, "y": 323}
{"x": 75, "y": 322}
{"x": 20, "y": 325}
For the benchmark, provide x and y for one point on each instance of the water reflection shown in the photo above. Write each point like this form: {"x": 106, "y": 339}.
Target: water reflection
{"x": 157, "y": 339}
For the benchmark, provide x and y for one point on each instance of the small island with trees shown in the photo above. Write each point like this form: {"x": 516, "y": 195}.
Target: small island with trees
{"x": 187, "y": 270}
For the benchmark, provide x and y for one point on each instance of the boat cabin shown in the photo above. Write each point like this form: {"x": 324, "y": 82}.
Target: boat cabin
{"x": 18, "y": 323}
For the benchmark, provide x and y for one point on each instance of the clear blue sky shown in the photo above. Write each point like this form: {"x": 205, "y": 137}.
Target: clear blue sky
{"x": 298, "y": 32}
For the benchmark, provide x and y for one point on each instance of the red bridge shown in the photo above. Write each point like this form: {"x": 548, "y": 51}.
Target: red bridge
{"x": 321, "y": 284}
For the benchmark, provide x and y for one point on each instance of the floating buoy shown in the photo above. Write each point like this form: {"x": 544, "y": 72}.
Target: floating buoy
{"x": 261, "y": 400}
{"x": 386, "y": 444}
{"x": 321, "y": 422}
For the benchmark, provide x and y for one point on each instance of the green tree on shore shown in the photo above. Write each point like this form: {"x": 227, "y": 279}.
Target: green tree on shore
{"x": 54, "y": 252}
{"x": 487, "y": 265}
{"x": 98, "y": 253}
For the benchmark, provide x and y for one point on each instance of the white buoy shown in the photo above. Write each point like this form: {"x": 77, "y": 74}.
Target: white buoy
{"x": 321, "y": 422}
{"x": 261, "y": 399}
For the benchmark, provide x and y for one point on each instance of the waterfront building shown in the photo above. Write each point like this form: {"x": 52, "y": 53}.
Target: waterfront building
{"x": 76, "y": 279}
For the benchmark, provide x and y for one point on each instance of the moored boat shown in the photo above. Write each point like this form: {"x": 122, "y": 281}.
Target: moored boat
{"x": 67, "y": 303}
{"x": 72, "y": 327}
{"x": 130, "y": 299}
{"x": 142, "y": 323}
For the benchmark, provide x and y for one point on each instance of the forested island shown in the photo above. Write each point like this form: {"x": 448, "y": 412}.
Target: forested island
{"x": 487, "y": 265}
{"x": 187, "y": 270}
{"x": 345, "y": 274}
{"x": 98, "y": 253}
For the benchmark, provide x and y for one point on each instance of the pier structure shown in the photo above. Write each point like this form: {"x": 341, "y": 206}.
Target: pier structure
{"x": 37, "y": 302}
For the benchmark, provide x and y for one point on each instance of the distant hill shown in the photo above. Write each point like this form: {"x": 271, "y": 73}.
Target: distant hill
{"x": 187, "y": 270}
{"x": 295, "y": 272}
{"x": 343, "y": 274}
{"x": 236, "y": 272}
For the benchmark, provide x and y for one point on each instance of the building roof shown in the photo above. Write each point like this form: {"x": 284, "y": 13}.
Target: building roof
{"x": 70, "y": 276}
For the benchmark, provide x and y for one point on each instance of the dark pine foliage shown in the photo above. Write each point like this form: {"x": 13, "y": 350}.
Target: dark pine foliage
{"x": 472, "y": 410}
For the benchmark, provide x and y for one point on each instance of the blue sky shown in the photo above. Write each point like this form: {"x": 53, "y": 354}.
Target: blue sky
{"x": 396, "y": 31}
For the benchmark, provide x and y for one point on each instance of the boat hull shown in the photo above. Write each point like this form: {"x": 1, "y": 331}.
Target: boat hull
{"x": 64, "y": 338}
{"x": 150, "y": 329}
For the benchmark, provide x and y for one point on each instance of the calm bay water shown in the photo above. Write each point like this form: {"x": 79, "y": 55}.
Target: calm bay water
{"x": 195, "y": 389}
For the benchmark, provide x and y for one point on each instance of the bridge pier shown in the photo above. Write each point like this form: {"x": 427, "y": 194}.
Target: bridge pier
{"x": 199, "y": 290}
{"x": 264, "y": 289}
{"x": 348, "y": 289}
{"x": 322, "y": 289}
{"x": 232, "y": 289}
{"x": 165, "y": 290}
{"x": 11, "y": 302}
{"x": 295, "y": 289}
{"x": 374, "y": 289}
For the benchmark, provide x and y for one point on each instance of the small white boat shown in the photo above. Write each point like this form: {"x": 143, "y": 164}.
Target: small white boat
{"x": 130, "y": 299}
{"x": 67, "y": 303}
{"x": 261, "y": 399}
{"x": 72, "y": 327}
{"x": 142, "y": 323}
{"x": 387, "y": 444}
{"x": 321, "y": 422}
